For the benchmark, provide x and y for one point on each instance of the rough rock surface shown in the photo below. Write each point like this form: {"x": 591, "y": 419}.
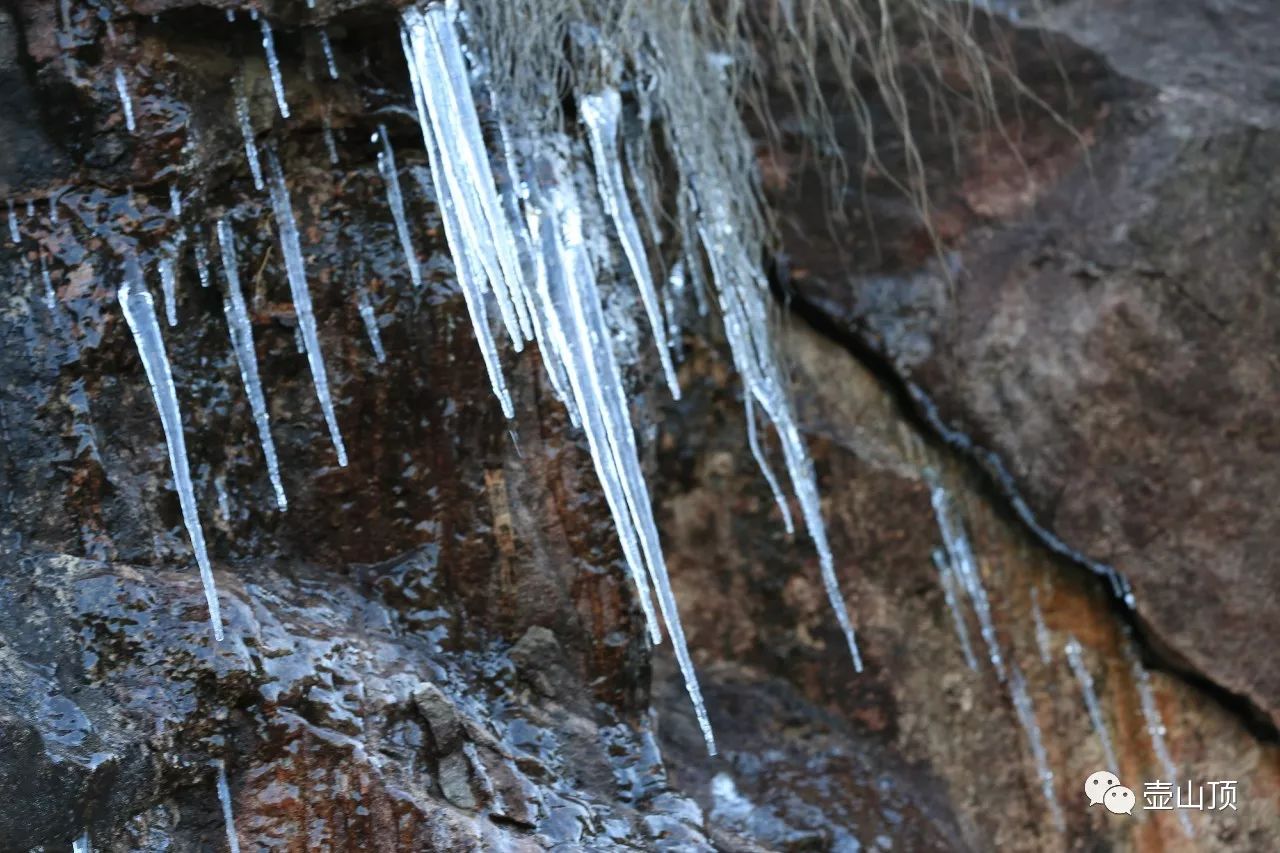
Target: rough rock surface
{"x": 1105, "y": 317}
{"x": 436, "y": 647}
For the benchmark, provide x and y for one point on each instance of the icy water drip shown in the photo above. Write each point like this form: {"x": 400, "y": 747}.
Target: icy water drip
{"x": 753, "y": 440}
{"x": 273, "y": 66}
{"x": 947, "y": 580}
{"x": 327, "y": 48}
{"x": 600, "y": 113}
{"x": 1155, "y": 726}
{"x": 140, "y": 315}
{"x": 370, "y": 325}
{"x": 202, "y": 258}
{"x": 244, "y": 119}
{"x": 126, "y": 103}
{"x": 169, "y": 288}
{"x": 962, "y": 562}
{"x": 1044, "y": 643}
{"x": 14, "y": 235}
{"x": 224, "y": 798}
{"x": 1075, "y": 658}
{"x": 1026, "y": 712}
{"x": 395, "y": 200}
{"x": 462, "y": 174}
{"x": 296, "y": 272}
{"x": 82, "y": 844}
{"x": 246, "y": 355}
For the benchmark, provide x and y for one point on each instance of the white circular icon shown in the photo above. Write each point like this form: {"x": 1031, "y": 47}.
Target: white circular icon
{"x": 1119, "y": 800}
{"x": 1097, "y": 785}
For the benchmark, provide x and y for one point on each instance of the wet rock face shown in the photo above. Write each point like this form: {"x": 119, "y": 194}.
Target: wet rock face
{"x": 436, "y": 647}
{"x": 1111, "y": 335}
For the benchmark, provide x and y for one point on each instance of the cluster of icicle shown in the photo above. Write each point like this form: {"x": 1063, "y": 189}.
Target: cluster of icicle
{"x": 529, "y": 226}
{"x": 958, "y": 571}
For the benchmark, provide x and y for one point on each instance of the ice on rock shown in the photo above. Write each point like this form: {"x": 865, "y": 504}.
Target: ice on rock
{"x": 395, "y": 200}
{"x": 1155, "y": 726}
{"x": 1043, "y": 642}
{"x": 202, "y": 258}
{"x": 1075, "y": 657}
{"x": 1026, "y": 712}
{"x": 330, "y": 144}
{"x": 140, "y": 315}
{"x": 947, "y": 579}
{"x": 169, "y": 289}
{"x": 960, "y": 557}
{"x": 327, "y": 47}
{"x": 600, "y": 113}
{"x": 295, "y": 271}
{"x": 82, "y": 844}
{"x": 370, "y": 325}
{"x": 273, "y": 65}
{"x": 228, "y": 818}
{"x": 14, "y": 235}
{"x": 244, "y": 119}
{"x": 246, "y": 355}
{"x": 126, "y": 103}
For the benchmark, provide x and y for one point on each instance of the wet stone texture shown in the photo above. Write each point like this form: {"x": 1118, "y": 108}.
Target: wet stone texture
{"x": 437, "y": 647}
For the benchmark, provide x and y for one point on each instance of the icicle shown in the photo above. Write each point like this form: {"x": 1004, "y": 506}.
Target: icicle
{"x": 297, "y": 275}
{"x": 1043, "y": 643}
{"x": 169, "y": 287}
{"x": 600, "y": 113}
{"x": 122, "y": 87}
{"x": 327, "y": 47}
{"x": 961, "y": 559}
{"x": 202, "y": 259}
{"x": 244, "y": 119}
{"x": 1091, "y": 704}
{"x": 581, "y": 339}
{"x": 82, "y": 844}
{"x": 447, "y": 112}
{"x": 1026, "y": 711}
{"x": 273, "y": 65}
{"x": 371, "y": 325}
{"x": 31, "y": 205}
{"x": 753, "y": 441}
{"x": 1155, "y": 725}
{"x": 946, "y": 578}
{"x": 53, "y": 210}
{"x": 231, "y": 15}
{"x": 672, "y": 306}
{"x": 247, "y": 356}
{"x": 329, "y": 143}
{"x": 140, "y": 315}
{"x": 175, "y": 202}
{"x": 457, "y": 236}
{"x": 395, "y": 200}
{"x": 50, "y": 299}
{"x": 224, "y": 797}
{"x": 253, "y": 13}
{"x": 64, "y": 8}
{"x": 14, "y": 234}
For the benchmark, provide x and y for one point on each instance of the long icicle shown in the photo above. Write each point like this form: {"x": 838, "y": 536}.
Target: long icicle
{"x": 224, "y": 798}
{"x": 395, "y": 200}
{"x": 140, "y": 315}
{"x": 241, "y": 330}
{"x": 600, "y": 113}
{"x": 291, "y": 248}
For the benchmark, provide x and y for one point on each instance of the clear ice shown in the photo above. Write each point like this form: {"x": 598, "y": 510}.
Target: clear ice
{"x": 296, "y": 272}
{"x": 140, "y": 315}
{"x": 169, "y": 288}
{"x": 247, "y": 357}
{"x": 1026, "y": 712}
{"x": 370, "y": 325}
{"x": 1155, "y": 726}
{"x": 947, "y": 580}
{"x": 327, "y": 47}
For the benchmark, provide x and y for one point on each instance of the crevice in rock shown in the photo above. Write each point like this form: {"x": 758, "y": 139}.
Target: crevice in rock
{"x": 919, "y": 410}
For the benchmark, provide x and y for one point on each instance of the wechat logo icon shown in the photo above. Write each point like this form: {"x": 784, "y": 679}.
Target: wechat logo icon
{"x": 1103, "y": 787}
